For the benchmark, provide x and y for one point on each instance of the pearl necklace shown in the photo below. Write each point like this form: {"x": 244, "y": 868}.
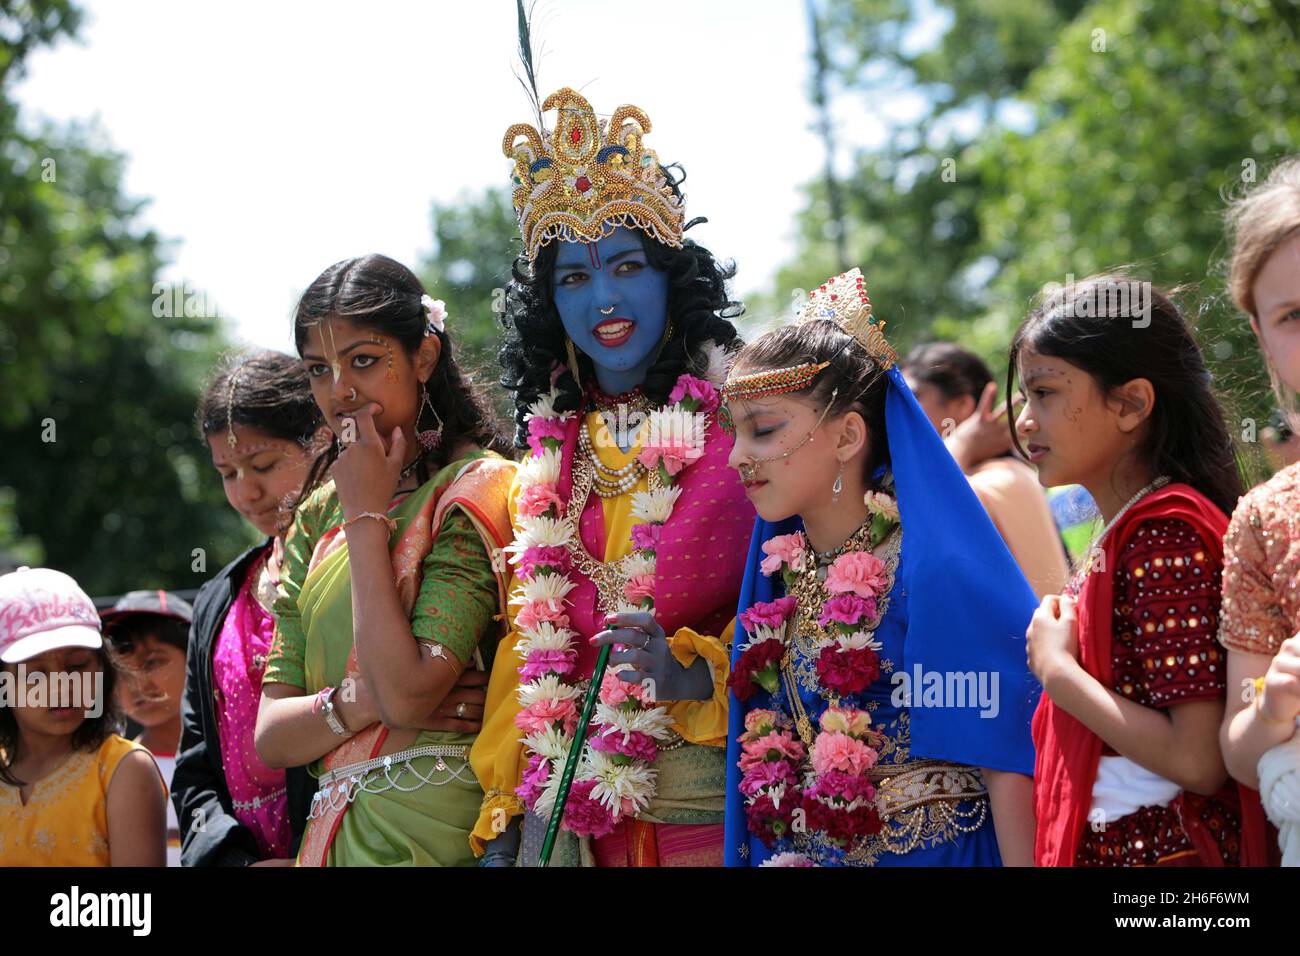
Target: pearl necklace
{"x": 609, "y": 482}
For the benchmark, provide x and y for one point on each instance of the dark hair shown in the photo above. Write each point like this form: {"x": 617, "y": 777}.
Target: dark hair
{"x": 379, "y": 293}
{"x": 271, "y": 393}
{"x": 122, "y": 636}
{"x": 698, "y": 307}
{"x": 950, "y": 368}
{"x": 1188, "y": 438}
{"x": 860, "y": 378}
{"x": 89, "y": 735}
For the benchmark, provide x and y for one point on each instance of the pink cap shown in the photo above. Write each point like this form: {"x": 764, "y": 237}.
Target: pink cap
{"x": 41, "y": 610}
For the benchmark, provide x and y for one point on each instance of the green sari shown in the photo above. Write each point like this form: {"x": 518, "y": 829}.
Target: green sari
{"x": 446, "y": 580}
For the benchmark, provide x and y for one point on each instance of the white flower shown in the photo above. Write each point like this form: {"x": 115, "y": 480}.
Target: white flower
{"x": 550, "y": 793}
{"x": 543, "y": 469}
{"x": 675, "y": 427}
{"x": 540, "y": 532}
{"x": 550, "y": 743}
{"x": 763, "y": 633}
{"x": 435, "y": 310}
{"x": 545, "y": 637}
{"x": 788, "y": 859}
{"x": 652, "y": 721}
{"x": 544, "y": 407}
{"x": 620, "y": 784}
{"x": 879, "y": 503}
{"x": 549, "y": 688}
{"x": 655, "y": 506}
{"x": 638, "y": 563}
{"x": 856, "y": 641}
{"x": 550, "y": 589}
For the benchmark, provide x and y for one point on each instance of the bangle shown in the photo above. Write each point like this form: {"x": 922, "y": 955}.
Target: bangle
{"x": 319, "y": 700}
{"x": 392, "y": 524}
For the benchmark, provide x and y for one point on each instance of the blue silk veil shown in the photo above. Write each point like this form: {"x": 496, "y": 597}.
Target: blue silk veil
{"x": 958, "y": 596}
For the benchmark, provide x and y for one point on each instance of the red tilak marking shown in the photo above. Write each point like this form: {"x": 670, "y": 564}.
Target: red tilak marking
{"x": 594, "y": 254}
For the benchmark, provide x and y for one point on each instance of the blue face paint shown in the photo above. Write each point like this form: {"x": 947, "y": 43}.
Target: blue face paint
{"x": 614, "y": 306}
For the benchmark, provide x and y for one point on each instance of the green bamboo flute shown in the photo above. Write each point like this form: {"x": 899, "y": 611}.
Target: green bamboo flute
{"x": 575, "y": 752}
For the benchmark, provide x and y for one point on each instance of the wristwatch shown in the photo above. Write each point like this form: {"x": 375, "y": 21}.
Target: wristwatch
{"x": 331, "y": 717}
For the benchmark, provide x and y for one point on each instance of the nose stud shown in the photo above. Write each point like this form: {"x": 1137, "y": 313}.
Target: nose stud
{"x": 609, "y": 311}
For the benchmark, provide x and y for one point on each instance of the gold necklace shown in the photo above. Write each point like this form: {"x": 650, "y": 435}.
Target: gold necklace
{"x": 809, "y": 592}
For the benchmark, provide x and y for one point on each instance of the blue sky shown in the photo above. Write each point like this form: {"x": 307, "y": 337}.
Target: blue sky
{"x": 276, "y": 138}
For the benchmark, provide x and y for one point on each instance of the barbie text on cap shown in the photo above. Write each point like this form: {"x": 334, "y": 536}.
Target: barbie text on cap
{"x": 42, "y": 609}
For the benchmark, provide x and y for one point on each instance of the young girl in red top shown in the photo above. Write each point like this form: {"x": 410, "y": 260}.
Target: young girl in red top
{"x": 1128, "y": 770}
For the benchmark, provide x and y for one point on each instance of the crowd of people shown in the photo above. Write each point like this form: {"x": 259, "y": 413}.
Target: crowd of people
{"x": 786, "y": 599}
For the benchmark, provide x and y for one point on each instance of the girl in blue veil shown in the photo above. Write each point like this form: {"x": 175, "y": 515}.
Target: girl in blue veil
{"x": 881, "y": 698}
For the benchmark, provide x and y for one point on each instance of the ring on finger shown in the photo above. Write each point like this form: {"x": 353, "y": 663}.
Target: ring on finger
{"x": 460, "y": 710}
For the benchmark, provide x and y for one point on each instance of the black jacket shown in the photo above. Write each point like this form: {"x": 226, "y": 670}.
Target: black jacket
{"x": 211, "y": 834}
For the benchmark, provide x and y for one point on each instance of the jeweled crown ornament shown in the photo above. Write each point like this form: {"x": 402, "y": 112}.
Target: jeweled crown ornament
{"x": 588, "y": 176}
{"x": 845, "y": 302}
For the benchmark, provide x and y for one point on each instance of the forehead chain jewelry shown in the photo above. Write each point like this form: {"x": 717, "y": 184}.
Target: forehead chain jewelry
{"x": 749, "y": 468}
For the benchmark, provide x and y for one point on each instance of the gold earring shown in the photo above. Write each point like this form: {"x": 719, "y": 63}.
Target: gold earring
{"x": 573, "y": 361}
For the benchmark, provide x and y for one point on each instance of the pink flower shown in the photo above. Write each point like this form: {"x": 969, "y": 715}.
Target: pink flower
{"x": 646, "y": 536}
{"x": 534, "y": 612}
{"x": 768, "y": 613}
{"x": 760, "y": 722}
{"x": 614, "y": 691}
{"x": 783, "y": 549}
{"x": 638, "y": 746}
{"x": 541, "y": 663}
{"x": 836, "y": 751}
{"x": 639, "y": 588}
{"x": 778, "y": 745}
{"x": 538, "y": 499}
{"x": 540, "y": 428}
{"x": 789, "y": 859}
{"x": 535, "y": 776}
{"x": 767, "y": 774}
{"x": 857, "y": 572}
{"x": 554, "y": 557}
{"x": 847, "y": 609}
{"x": 585, "y": 816}
{"x": 673, "y": 454}
{"x": 544, "y": 714}
{"x": 843, "y": 786}
{"x": 695, "y": 393}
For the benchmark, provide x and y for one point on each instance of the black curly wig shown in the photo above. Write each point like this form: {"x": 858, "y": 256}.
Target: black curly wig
{"x": 698, "y": 305}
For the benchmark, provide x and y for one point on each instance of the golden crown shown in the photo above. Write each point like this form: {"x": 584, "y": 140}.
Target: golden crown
{"x": 589, "y": 177}
{"x": 844, "y": 301}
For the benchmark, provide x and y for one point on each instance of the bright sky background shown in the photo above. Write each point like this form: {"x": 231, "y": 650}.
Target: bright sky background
{"x": 275, "y": 138}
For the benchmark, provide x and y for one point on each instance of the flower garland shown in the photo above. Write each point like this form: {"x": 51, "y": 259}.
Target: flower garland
{"x": 828, "y": 782}
{"x": 615, "y": 778}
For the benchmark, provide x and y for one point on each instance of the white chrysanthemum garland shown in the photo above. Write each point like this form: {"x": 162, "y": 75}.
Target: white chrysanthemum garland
{"x": 615, "y": 778}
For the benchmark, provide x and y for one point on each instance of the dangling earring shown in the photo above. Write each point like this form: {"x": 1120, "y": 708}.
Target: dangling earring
{"x": 839, "y": 484}
{"x": 428, "y": 438}
{"x": 573, "y": 361}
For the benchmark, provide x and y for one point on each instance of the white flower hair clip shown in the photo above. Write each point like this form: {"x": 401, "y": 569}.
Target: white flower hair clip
{"x": 435, "y": 313}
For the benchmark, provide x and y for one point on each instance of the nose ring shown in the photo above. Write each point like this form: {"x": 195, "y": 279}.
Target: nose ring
{"x": 609, "y": 311}
{"x": 748, "y": 470}
{"x": 352, "y": 394}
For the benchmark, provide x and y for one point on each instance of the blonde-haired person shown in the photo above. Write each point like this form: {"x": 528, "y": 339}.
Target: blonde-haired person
{"x": 1260, "y": 624}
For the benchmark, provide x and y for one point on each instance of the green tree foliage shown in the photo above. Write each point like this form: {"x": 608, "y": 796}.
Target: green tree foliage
{"x": 102, "y": 474}
{"x": 476, "y": 240}
{"x": 1122, "y": 150}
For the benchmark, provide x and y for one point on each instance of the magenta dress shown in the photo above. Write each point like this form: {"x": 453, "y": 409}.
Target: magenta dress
{"x": 238, "y": 662}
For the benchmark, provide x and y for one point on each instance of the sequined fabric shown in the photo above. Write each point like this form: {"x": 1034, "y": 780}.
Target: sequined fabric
{"x": 1261, "y": 578}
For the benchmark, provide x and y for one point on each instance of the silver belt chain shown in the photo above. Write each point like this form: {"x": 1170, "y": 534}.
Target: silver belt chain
{"x": 339, "y": 787}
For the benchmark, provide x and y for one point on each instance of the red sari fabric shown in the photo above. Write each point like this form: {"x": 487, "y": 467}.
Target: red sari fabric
{"x": 1068, "y": 752}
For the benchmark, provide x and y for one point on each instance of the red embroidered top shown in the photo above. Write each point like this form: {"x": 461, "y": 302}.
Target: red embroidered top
{"x": 1165, "y": 652}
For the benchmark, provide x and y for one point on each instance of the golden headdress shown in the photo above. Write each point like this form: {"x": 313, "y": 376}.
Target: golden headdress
{"x": 587, "y": 177}
{"x": 844, "y": 301}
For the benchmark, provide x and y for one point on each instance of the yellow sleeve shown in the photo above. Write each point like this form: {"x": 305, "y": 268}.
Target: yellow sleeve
{"x": 497, "y": 755}
{"x": 703, "y": 721}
